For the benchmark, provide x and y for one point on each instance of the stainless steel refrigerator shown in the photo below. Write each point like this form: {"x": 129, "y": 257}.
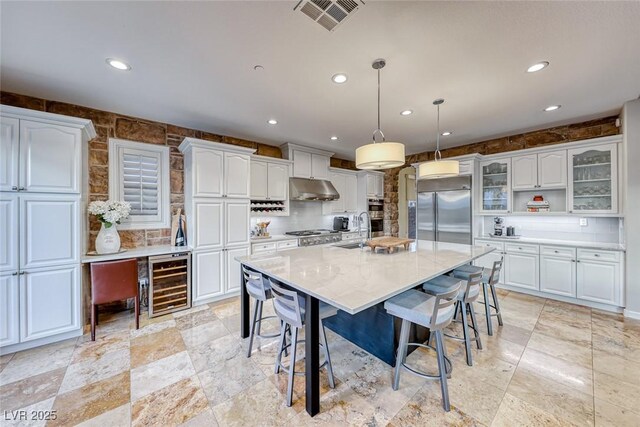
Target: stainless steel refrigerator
{"x": 444, "y": 210}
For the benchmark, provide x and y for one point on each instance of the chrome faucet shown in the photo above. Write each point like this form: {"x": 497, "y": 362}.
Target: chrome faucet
{"x": 360, "y": 227}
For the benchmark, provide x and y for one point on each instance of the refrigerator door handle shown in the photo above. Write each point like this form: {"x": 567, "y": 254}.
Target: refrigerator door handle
{"x": 435, "y": 217}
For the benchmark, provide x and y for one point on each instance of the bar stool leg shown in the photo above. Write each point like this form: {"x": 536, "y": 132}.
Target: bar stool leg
{"x": 476, "y": 332}
{"x": 496, "y": 304}
{"x": 465, "y": 331}
{"x": 253, "y": 328}
{"x": 281, "y": 344}
{"x": 137, "y": 310}
{"x": 292, "y": 364}
{"x": 402, "y": 351}
{"x": 94, "y": 316}
{"x": 487, "y": 309}
{"x": 260, "y": 304}
{"x": 442, "y": 368}
{"x": 323, "y": 341}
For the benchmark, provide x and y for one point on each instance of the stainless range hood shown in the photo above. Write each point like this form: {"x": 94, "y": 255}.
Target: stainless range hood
{"x": 312, "y": 189}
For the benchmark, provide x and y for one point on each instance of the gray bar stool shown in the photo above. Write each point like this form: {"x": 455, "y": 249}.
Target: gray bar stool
{"x": 289, "y": 307}
{"x": 490, "y": 278}
{"x": 259, "y": 288}
{"x": 465, "y": 299}
{"x": 433, "y": 312}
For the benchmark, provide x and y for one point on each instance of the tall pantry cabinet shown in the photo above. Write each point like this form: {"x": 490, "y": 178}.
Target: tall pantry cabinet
{"x": 42, "y": 226}
{"x": 217, "y": 180}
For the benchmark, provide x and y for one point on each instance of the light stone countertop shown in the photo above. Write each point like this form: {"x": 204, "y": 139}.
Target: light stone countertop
{"x": 137, "y": 253}
{"x": 355, "y": 279}
{"x": 569, "y": 243}
{"x": 274, "y": 238}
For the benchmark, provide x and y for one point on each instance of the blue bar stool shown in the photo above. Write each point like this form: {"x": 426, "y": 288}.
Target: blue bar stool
{"x": 490, "y": 278}
{"x": 467, "y": 295}
{"x": 433, "y": 312}
{"x": 259, "y": 288}
{"x": 289, "y": 307}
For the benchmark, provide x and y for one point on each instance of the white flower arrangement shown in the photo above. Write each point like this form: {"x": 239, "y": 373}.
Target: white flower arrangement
{"x": 110, "y": 212}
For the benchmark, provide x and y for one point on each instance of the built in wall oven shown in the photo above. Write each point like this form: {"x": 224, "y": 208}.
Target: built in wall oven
{"x": 376, "y": 213}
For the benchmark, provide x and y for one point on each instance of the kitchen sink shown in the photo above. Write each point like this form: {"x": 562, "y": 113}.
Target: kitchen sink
{"x": 348, "y": 245}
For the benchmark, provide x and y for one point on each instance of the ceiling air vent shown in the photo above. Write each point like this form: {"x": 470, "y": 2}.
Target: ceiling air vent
{"x": 328, "y": 13}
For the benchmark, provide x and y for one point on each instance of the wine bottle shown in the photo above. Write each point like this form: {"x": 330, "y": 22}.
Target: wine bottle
{"x": 180, "y": 234}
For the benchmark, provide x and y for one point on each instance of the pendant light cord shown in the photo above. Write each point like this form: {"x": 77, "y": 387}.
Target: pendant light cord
{"x": 438, "y": 155}
{"x": 378, "y": 130}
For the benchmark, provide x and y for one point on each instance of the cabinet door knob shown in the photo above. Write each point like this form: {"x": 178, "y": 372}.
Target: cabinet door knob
{"x": 596, "y": 255}
{"x": 556, "y": 252}
{"x": 15, "y": 273}
{"x": 22, "y": 273}
{"x": 21, "y": 189}
{"x": 14, "y": 188}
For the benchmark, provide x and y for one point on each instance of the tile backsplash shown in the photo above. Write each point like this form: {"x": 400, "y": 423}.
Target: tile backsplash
{"x": 303, "y": 216}
{"x": 603, "y": 230}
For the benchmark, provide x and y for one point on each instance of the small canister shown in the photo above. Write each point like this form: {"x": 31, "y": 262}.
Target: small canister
{"x": 511, "y": 231}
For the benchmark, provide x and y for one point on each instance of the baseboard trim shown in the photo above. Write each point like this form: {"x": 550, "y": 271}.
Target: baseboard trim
{"x": 571, "y": 300}
{"x": 39, "y": 342}
{"x": 632, "y": 314}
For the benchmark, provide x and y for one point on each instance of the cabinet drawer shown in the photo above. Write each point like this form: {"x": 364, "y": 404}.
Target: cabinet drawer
{"x": 499, "y": 246}
{"x": 287, "y": 244}
{"x": 522, "y": 248}
{"x": 262, "y": 247}
{"x": 596, "y": 255}
{"x": 558, "y": 252}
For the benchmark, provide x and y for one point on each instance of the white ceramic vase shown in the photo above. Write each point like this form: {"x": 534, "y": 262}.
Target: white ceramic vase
{"x": 108, "y": 240}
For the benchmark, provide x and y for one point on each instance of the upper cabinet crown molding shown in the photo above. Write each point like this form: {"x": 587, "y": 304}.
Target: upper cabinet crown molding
{"x": 86, "y": 125}
{"x": 256, "y": 157}
{"x": 188, "y": 143}
{"x": 288, "y": 147}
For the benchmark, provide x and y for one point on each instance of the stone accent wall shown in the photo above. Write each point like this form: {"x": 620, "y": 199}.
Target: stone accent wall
{"x": 539, "y": 138}
{"x": 108, "y": 124}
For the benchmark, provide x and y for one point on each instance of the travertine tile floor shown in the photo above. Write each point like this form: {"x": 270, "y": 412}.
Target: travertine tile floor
{"x": 550, "y": 364}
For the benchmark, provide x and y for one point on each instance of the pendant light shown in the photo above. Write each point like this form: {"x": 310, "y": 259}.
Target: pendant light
{"x": 438, "y": 168}
{"x": 380, "y": 155}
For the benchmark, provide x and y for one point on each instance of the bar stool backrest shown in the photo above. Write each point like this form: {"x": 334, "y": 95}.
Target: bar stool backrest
{"x": 286, "y": 305}
{"x": 472, "y": 287}
{"x": 495, "y": 273}
{"x": 255, "y": 278}
{"x": 443, "y": 302}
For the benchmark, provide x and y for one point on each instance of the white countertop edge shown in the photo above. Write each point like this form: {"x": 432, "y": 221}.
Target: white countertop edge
{"x": 274, "y": 238}
{"x": 142, "y": 252}
{"x": 570, "y": 243}
{"x": 371, "y": 304}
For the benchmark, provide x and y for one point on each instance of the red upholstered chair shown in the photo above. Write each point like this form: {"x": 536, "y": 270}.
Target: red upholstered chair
{"x": 113, "y": 281}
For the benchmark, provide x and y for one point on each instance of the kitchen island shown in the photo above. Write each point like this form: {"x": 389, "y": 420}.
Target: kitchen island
{"x": 352, "y": 280}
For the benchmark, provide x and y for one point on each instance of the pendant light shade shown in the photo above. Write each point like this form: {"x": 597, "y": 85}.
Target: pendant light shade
{"x": 380, "y": 155}
{"x": 438, "y": 168}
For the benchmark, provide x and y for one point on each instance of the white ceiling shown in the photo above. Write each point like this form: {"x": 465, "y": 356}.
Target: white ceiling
{"x": 193, "y": 66}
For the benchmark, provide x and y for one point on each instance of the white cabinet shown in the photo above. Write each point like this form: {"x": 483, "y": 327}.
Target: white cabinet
{"x": 49, "y": 228}
{"x": 552, "y": 169}
{"x": 593, "y": 183}
{"x": 49, "y": 302}
{"x": 9, "y": 232}
{"x": 496, "y": 186}
{"x": 269, "y": 181}
{"x": 206, "y": 167}
{"x": 375, "y": 185}
{"x": 346, "y": 184}
{"x": 558, "y": 270}
{"x": 259, "y": 187}
{"x": 207, "y": 228}
{"x": 236, "y": 175}
{"x": 9, "y": 311}
{"x": 50, "y": 158}
{"x": 543, "y": 170}
{"x": 208, "y": 274}
{"x": 486, "y": 261}
{"x": 310, "y": 165}
{"x": 233, "y": 274}
{"x": 599, "y": 275}
{"x": 351, "y": 193}
{"x": 236, "y": 223}
{"x": 522, "y": 267}
{"x": 9, "y": 153}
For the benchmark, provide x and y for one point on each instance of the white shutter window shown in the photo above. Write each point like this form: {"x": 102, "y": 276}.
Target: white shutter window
{"x": 139, "y": 174}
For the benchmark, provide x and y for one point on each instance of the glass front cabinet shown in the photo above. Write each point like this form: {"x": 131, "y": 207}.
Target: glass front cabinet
{"x": 496, "y": 186}
{"x": 593, "y": 179}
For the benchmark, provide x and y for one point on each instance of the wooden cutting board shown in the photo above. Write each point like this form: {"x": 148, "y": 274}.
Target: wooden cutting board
{"x": 389, "y": 244}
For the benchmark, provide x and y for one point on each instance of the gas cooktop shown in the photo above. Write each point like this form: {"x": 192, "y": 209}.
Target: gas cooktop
{"x": 316, "y": 237}
{"x": 303, "y": 233}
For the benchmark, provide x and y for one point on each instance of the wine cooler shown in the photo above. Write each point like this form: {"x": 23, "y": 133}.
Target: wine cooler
{"x": 169, "y": 283}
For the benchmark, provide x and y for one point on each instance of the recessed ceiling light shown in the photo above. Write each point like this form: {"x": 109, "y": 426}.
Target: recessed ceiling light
{"x": 272, "y": 121}
{"x": 258, "y": 67}
{"x": 552, "y": 107}
{"x": 334, "y": 138}
{"x": 117, "y": 64}
{"x": 537, "y": 67}
{"x": 446, "y": 133}
{"x": 339, "y": 78}
{"x": 406, "y": 112}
